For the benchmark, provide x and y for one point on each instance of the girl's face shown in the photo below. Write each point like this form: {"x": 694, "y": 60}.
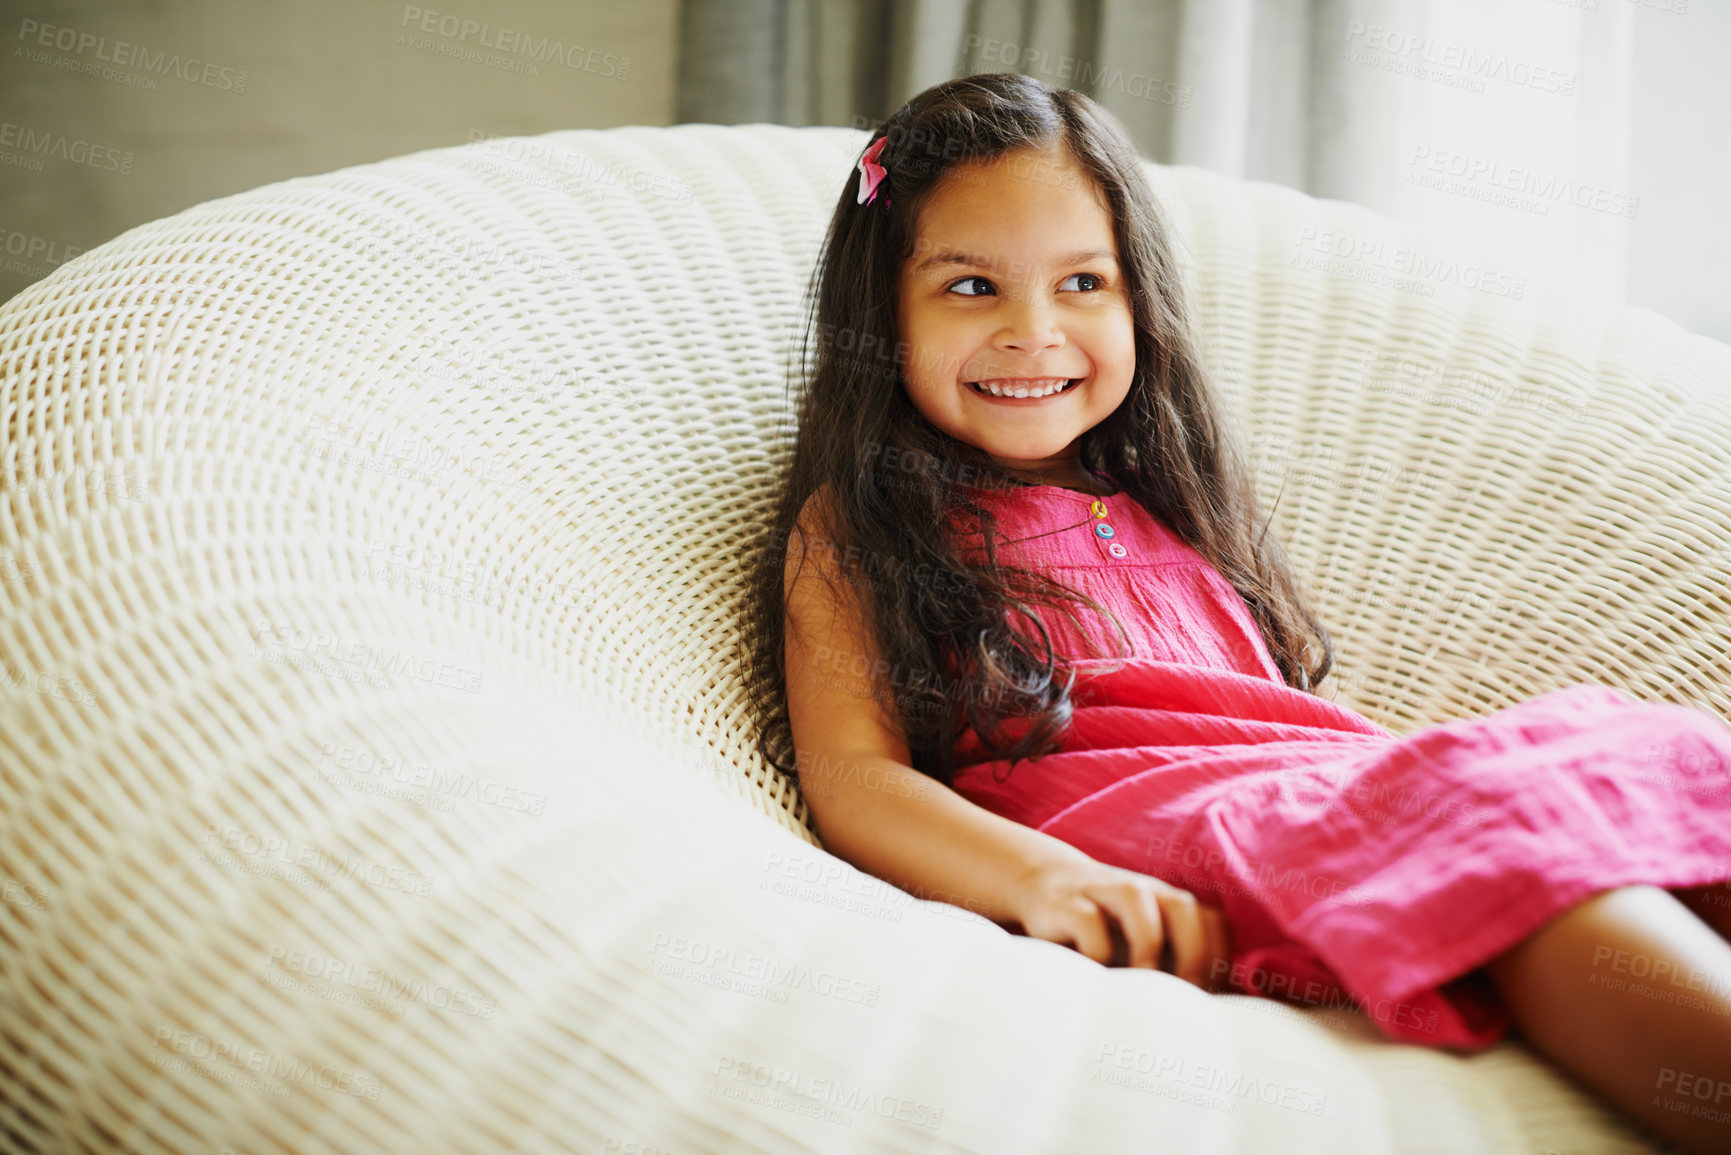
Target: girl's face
{"x": 1014, "y": 281}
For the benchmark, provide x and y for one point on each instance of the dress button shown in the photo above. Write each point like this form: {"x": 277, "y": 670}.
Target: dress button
{"x": 1116, "y": 550}
{"x": 1104, "y": 530}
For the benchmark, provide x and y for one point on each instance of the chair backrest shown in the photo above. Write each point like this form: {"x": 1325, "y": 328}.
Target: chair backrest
{"x": 534, "y": 386}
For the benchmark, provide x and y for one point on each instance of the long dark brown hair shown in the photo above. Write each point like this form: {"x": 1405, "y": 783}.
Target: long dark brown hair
{"x": 950, "y": 657}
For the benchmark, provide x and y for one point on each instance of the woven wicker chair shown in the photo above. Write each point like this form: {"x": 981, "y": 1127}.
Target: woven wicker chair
{"x": 368, "y": 549}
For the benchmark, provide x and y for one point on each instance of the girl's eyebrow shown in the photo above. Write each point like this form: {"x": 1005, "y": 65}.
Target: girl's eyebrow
{"x": 973, "y": 261}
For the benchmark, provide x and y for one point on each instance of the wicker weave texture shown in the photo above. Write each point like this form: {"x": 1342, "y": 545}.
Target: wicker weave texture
{"x": 368, "y": 545}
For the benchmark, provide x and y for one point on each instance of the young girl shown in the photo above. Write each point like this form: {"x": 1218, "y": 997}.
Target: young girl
{"x": 1039, "y": 658}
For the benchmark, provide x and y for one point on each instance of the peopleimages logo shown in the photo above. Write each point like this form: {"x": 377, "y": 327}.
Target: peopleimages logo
{"x": 33, "y": 248}
{"x": 1402, "y": 267}
{"x": 254, "y": 1067}
{"x": 60, "y": 146}
{"x": 509, "y": 42}
{"x": 123, "y": 54}
{"x": 590, "y": 170}
{"x": 1485, "y": 178}
{"x": 1459, "y": 65}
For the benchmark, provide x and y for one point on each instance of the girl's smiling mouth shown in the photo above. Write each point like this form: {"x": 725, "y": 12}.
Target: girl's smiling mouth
{"x": 1024, "y": 389}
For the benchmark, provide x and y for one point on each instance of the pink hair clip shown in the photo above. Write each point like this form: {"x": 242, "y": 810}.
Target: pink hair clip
{"x": 871, "y": 173}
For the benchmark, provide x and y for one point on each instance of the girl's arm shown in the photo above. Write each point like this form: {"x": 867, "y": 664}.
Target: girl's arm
{"x": 870, "y": 806}
{"x": 877, "y": 812}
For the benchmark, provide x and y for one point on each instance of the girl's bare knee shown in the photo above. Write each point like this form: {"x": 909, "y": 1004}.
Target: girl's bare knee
{"x": 1631, "y": 993}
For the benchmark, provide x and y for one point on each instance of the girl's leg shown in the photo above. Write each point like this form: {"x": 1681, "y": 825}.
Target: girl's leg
{"x": 1631, "y": 994}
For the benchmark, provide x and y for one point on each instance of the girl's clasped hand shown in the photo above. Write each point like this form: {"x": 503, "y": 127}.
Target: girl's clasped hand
{"x": 1120, "y": 918}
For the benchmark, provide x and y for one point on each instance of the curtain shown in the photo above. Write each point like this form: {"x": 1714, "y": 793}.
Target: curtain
{"x": 1501, "y": 128}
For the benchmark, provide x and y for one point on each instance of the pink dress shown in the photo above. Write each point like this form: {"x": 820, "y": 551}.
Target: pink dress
{"x": 1356, "y": 868}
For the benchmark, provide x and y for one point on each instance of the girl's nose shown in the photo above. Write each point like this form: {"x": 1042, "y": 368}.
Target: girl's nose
{"x": 1031, "y": 324}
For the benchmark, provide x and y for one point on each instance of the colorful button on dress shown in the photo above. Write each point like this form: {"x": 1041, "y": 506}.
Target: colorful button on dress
{"x": 1356, "y": 868}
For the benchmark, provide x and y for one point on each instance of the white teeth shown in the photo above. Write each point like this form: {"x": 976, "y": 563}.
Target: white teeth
{"x": 997, "y": 390}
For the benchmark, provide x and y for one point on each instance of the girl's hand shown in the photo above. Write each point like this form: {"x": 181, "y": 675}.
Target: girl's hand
{"x": 1121, "y": 917}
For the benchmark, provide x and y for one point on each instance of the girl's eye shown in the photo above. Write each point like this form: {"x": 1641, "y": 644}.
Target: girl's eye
{"x": 1095, "y": 280}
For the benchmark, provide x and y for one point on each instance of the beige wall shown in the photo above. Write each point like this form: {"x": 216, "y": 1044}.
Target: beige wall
{"x": 285, "y": 89}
